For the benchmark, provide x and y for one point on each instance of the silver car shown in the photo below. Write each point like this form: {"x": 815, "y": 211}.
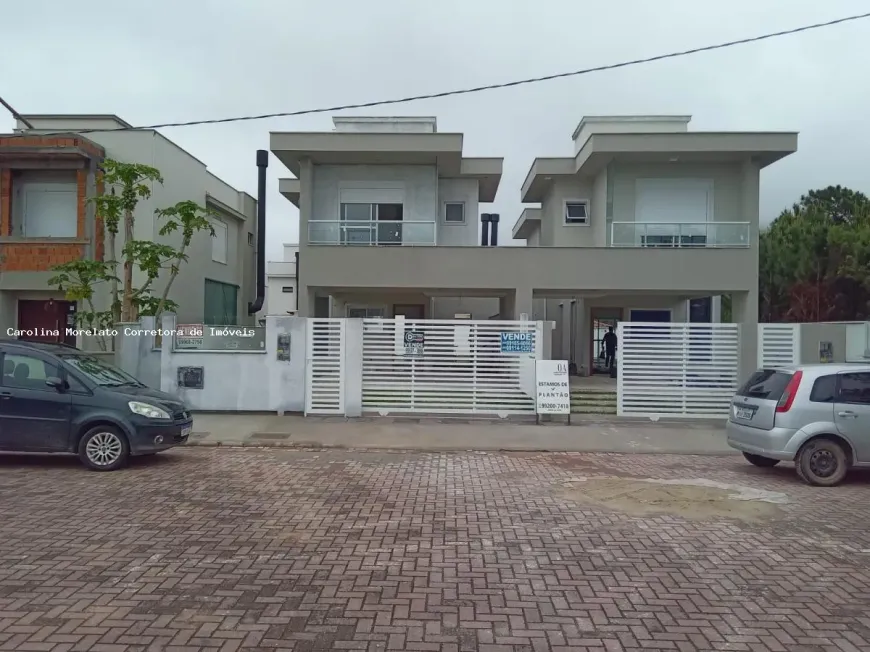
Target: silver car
{"x": 817, "y": 416}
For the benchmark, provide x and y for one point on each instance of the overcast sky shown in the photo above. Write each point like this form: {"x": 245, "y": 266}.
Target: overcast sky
{"x": 172, "y": 60}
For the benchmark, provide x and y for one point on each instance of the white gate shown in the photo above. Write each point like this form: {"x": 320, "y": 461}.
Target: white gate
{"x": 676, "y": 369}
{"x": 450, "y": 367}
{"x": 779, "y": 345}
{"x": 324, "y": 368}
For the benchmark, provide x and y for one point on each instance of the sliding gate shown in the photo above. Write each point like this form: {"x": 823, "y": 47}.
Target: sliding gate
{"x": 449, "y": 367}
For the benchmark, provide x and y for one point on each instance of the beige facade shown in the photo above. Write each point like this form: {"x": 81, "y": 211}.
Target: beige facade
{"x": 645, "y": 217}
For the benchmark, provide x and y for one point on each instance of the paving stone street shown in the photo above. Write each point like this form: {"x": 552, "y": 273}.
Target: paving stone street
{"x": 275, "y": 549}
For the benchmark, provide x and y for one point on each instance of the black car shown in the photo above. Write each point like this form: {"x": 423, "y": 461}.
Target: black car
{"x": 58, "y": 399}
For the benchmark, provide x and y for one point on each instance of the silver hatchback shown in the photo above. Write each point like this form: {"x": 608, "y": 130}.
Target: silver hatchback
{"x": 817, "y": 416}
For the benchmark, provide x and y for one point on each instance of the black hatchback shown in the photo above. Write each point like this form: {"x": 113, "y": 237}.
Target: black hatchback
{"x": 57, "y": 399}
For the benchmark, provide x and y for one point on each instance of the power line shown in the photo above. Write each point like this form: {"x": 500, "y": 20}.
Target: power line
{"x": 15, "y": 113}
{"x": 489, "y": 87}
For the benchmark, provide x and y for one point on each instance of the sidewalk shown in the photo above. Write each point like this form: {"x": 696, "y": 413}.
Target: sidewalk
{"x": 598, "y": 435}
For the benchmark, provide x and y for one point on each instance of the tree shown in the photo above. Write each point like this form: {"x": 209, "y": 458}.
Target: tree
{"x": 814, "y": 259}
{"x": 125, "y": 185}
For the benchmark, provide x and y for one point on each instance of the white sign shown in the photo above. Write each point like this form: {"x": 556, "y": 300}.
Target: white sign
{"x": 552, "y": 387}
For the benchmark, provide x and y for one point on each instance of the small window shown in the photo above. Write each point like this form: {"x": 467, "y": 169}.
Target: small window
{"x": 454, "y": 212}
{"x": 824, "y": 389}
{"x": 250, "y": 238}
{"x": 855, "y": 389}
{"x": 287, "y": 289}
{"x": 219, "y": 242}
{"x": 577, "y": 213}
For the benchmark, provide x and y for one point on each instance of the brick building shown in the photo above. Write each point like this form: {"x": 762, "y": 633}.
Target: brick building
{"x": 45, "y": 220}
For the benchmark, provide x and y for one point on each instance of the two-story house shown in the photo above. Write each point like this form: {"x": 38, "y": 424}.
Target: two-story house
{"x": 46, "y": 182}
{"x": 377, "y": 185}
{"x": 669, "y": 216}
{"x": 643, "y": 221}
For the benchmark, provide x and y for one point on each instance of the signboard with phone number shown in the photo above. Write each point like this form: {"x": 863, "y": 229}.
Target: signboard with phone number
{"x": 552, "y": 387}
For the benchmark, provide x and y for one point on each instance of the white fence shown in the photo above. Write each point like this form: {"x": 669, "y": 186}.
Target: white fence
{"x": 676, "y": 369}
{"x": 324, "y": 366}
{"x": 450, "y": 367}
{"x": 779, "y": 345}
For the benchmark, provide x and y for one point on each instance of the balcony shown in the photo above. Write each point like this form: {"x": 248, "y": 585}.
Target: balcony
{"x": 691, "y": 235}
{"x": 371, "y": 233}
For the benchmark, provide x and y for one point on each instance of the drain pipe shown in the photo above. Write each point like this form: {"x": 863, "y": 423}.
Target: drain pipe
{"x": 297, "y": 281}
{"x": 262, "y": 163}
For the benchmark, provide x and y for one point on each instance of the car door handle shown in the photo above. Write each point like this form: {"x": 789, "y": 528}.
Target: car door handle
{"x": 5, "y": 395}
{"x": 847, "y": 414}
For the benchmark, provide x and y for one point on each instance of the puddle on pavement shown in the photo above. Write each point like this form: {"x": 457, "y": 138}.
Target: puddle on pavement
{"x": 691, "y": 499}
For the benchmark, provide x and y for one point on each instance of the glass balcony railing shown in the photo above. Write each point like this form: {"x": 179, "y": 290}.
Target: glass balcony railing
{"x": 679, "y": 234}
{"x": 371, "y": 233}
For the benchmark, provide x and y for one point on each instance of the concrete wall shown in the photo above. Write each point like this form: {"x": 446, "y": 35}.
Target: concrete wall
{"x": 241, "y": 380}
{"x": 848, "y": 339}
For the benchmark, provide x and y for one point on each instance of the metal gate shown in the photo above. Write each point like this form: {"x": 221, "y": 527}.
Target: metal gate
{"x": 779, "y": 345}
{"x": 677, "y": 369}
{"x": 450, "y": 367}
{"x": 324, "y": 368}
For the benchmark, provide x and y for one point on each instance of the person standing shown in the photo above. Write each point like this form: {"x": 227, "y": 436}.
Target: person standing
{"x": 609, "y": 347}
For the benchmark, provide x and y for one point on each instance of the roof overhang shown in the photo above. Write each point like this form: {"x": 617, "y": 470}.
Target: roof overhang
{"x": 290, "y": 189}
{"x": 443, "y": 150}
{"x": 764, "y": 148}
{"x": 530, "y": 219}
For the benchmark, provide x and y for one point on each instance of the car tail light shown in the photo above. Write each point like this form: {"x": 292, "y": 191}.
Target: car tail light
{"x": 787, "y": 398}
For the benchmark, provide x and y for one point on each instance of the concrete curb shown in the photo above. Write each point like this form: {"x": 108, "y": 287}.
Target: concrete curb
{"x": 309, "y": 447}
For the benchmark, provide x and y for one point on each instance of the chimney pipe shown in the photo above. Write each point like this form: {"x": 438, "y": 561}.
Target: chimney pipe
{"x": 297, "y": 282}
{"x": 262, "y": 163}
{"x": 493, "y": 238}
{"x": 484, "y": 231}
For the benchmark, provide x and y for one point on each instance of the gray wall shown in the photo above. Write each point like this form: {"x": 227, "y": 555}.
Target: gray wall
{"x": 241, "y": 380}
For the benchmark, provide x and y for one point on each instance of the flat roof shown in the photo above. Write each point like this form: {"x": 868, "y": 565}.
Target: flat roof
{"x": 766, "y": 147}
{"x": 443, "y": 150}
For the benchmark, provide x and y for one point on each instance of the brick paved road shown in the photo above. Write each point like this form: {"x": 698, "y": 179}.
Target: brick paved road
{"x": 211, "y": 549}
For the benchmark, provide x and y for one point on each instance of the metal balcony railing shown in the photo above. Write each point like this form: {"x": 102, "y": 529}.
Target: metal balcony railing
{"x": 680, "y": 234}
{"x": 371, "y": 233}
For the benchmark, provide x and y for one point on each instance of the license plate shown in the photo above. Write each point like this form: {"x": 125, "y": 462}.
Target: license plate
{"x": 185, "y": 432}
{"x": 743, "y": 413}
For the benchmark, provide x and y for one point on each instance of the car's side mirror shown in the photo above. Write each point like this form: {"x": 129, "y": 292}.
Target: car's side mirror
{"x": 59, "y": 384}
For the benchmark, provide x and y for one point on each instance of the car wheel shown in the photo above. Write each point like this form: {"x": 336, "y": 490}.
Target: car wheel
{"x": 104, "y": 448}
{"x": 759, "y": 460}
{"x": 822, "y": 462}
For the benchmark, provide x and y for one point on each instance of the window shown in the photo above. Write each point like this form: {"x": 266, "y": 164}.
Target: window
{"x": 219, "y": 242}
{"x": 45, "y": 204}
{"x": 365, "y": 313}
{"x": 766, "y": 384}
{"x": 221, "y": 303}
{"x": 577, "y": 213}
{"x": 368, "y": 224}
{"x": 855, "y": 388}
{"x": 454, "y": 212}
{"x": 250, "y": 238}
{"x": 27, "y": 372}
{"x": 287, "y": 289}
{"x": 824, "y": 389}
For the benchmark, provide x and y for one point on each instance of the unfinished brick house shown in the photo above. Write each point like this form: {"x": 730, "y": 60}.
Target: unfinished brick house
{"x": 45, "y": 220}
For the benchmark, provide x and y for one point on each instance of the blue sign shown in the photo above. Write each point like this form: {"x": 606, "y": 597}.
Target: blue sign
{"x": 517, "y": 342}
